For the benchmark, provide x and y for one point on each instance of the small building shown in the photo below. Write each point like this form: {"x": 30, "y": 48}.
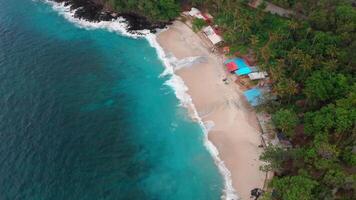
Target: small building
{"x": 257, "y": 75}
{"x": 243, "y": 67}
{"x": 212, "y": 36}
{"x": 245, "y": 70}
{"x": 194, "y": 12}
{"x": 253, "y": 96}
{"x": 238, "y": 61}
{"x": 231, "y": 67}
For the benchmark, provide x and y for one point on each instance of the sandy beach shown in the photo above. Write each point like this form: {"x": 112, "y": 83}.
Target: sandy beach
{"x": 235, "y": 132}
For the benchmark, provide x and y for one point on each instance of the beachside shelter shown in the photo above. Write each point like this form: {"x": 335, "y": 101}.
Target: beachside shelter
{"x": 212, "y": 36}
{"x": 243, "y": 67}
{"x": 253, "y": 96}
{"x": 196, "y": 13}
{"x": 239, "y": 62}
{"x": 231, "y": 66}
{"x": 257, "y": 75}
{"x": 243, "y": 71}
{"x": 246, "y": 71}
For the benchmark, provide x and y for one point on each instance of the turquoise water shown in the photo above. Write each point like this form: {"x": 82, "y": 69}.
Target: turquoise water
{"x": 85, "y": 115}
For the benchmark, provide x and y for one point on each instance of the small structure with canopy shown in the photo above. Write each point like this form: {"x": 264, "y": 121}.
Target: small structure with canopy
{"x": 242, "y": 67}
{"x": 212, "y": 36}
{"x": 253, "y": 96}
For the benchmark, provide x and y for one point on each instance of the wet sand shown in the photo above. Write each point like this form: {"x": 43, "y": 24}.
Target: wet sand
{"x": 236, "y": 133}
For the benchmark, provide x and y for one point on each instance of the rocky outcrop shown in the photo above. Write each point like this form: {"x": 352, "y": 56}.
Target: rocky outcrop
{"x": 94, "y": 10}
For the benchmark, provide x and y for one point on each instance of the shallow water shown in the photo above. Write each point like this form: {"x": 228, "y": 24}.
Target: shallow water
{"x": 85, "y": 114}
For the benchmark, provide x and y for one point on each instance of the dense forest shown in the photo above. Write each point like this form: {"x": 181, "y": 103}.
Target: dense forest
{"x": 311, "y": 60}
{"x": 157, "y": 10}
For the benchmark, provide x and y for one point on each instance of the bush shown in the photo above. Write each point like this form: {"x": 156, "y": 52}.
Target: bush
{"x": 198, "y": 24}
{"x": 285, "y": 120}
{"x": 294, "y": 188}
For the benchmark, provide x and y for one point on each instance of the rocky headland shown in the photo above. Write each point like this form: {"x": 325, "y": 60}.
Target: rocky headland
{"x": 98, "y": 10}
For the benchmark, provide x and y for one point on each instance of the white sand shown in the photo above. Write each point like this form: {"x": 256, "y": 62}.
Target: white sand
{"x": 236, "y": 133}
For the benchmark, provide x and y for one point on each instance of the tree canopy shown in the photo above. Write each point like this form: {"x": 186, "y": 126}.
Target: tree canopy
{"x": 294, "y": 188}
{"x": 285, "y": 120}
{"x": 156, "y": 10}
{"x": 311, "y": 59}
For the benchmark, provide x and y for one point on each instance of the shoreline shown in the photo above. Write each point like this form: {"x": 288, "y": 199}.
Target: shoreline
{"x": 234, "y": 129}
{"x": 187, "y": 97}
{"x": 96, "y": 11}
{"x": 180, "y": 90}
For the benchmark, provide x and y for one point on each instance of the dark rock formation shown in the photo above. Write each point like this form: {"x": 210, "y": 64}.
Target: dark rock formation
{"x": 93, "y": 10}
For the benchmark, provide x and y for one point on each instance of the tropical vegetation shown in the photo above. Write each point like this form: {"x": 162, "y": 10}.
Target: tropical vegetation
{"x": 311, "y": 60}
{"x": 198, "y": 24}
{"x": 156, "y": 10}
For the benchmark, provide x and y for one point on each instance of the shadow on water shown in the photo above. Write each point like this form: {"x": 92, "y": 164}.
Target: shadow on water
{"x": 83, "y": 115}
{"x": 63, "y": 129}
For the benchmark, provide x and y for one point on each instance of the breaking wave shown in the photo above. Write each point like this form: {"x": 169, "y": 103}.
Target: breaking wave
{"x": 171, "y": 64}
{"x": 180, "y": 90}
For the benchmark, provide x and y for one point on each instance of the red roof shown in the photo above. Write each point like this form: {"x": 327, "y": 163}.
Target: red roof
{"x": 231, "y": 66}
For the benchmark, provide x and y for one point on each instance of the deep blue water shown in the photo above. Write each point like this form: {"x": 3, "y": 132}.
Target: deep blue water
{"x": 85, "y": 115}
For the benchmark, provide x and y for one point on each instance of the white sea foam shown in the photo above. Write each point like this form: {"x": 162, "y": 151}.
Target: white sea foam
{"x": 118, "y": 25}
{"x": 209, "y": 125}
{"x": 185, "y": 62}
{"x": 181, "y": 90}
{"x": 175, "y": 82}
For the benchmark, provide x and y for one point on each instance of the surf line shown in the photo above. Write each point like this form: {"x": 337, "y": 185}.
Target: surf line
{"x": 120, "y": 27}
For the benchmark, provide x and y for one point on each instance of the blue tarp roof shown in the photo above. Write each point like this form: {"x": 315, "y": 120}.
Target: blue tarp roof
{"x": 243, "y": 71}
{"x": 243, "y": 68}
{"x": 238, "y": 61}
{"x": 253, "y": 96}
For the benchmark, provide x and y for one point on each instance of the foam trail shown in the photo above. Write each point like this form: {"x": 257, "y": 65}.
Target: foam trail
{"x": 119, "y": 25}
{"x": 186, "y": 62}
{"x": 180, "y": 89}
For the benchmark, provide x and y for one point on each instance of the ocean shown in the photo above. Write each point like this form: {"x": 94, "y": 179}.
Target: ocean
{"x": 90, "y": 113}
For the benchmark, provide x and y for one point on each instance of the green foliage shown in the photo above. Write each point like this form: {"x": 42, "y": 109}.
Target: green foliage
{"x": 334, "y": 177}
{"x": 198, "y": 24}
{"x": 285, "y": 88}
{"x": 336, "y": 119}
{"x": 311, "y": 61}
{"x": 284, "y": 3}
{"x": 294, "y": 188}
{"x": 320, "y": 122}
{"x": 323, "y": 86}
{"x": 348, "y": 156}
{"x": 157, "y": 10}
{"x": 285, "y": 120}
{"x": 274, "y": 157}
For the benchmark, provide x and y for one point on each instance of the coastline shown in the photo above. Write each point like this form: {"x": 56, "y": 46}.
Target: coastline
{"x": 97, "y": 11}
{"x": 233, "y": 126}
{"x": 198, "y": 86}
{"x": 180, "y": 90}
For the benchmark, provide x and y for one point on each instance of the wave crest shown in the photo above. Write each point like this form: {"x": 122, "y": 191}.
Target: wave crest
{"x": 120, "y": 27}
{"x": 180, "y": 90}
